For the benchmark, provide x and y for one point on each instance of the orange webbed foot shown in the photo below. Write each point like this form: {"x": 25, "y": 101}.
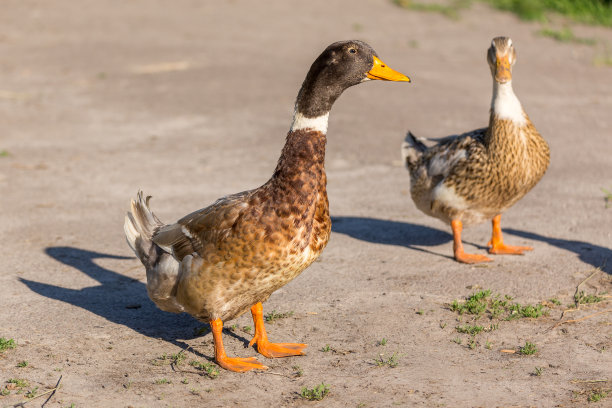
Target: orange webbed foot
{"x": 276, "y": 350}
{"x": 496, "y": 243}
{"x": 503, "y": 249}
{"x": 471, "y": 258}
{"x": 266, "y": 348}
{"x": 240, "y": 365}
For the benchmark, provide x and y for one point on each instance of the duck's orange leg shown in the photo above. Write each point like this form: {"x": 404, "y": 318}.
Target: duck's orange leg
{"x": 497, "y": 245}
{"x": 232, "y": 364}
{"x": 271, "y": 350}
{"x": 461, "y": 256}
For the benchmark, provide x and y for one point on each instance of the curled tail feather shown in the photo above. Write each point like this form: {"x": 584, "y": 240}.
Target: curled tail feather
{"x": 139, "y": 226}
{"x": 412, "y": 150}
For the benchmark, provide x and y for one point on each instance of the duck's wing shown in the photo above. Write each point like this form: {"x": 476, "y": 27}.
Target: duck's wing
{"x": 194, "y": 233}
{"x": 440, "y": 159}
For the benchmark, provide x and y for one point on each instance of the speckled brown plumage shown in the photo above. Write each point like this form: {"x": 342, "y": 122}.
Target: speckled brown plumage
{"x": 478, "y": 175}
{"x": 490, "y": 168}
{"x": 266, "y": 236}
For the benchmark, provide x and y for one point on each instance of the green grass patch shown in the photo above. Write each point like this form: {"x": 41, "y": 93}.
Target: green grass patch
{"x": 565, "y": 35}
{"x": 6, "y": 344}
{"x": 392, "y": 361}
{"x": 298, "y": 371}
{"x": 20, "y": 383}
{"x": 528, "y": 349}
{"x": 274, "y": 315}
{"x": 597, "y": 395}
{"x": 316, "y": 393}
{"x": 594, "y": 12}
{"x": 468, "y": 329}
{"x": 32, "y": 393}
{"x": 483, "y": 303}
{"x": 529, "y": 311}
{"x": 210, "y": 369}
{"x": 450, "y": 10}
{"x": 22, "y": 364}
{"x": 581, "y": 298}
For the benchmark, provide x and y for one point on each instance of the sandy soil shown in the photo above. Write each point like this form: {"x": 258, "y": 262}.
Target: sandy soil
{"x": 191, "y": 101}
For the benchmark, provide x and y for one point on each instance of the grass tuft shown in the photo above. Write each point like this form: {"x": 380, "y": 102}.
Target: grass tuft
{"x": 18, "y": 382}
{"x": 298, "y": 370}
{"x": 274, "y": 315}
{"x": 528, "y": 349}
{"x": 597, "y": 395}
{"x": 6, "y": 344}
{"x": 178, "y": 358}
{"x": 496, "y": 307}
{"x": 392, "y": 361}
{"x": 581, "y": 298}
{"x": 210, "y": 369}
{"x": 315, "y": 394}
{"x": 607, "y": 60}
{"x": 32, "y": 393}
{"x": 473, "y": 330}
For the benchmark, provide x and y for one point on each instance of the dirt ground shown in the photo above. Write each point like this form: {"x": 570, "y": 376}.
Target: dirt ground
{"x": 191, "y": 101}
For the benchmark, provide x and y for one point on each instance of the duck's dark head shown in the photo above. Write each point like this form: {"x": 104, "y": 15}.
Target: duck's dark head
{"x": 501, "y": 56}
{"x": 341, "y": 65}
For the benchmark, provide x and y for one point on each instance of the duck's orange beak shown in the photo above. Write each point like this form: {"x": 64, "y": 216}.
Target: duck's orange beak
{"x": 381, "y": 71}
{"x": 503, "y": 73}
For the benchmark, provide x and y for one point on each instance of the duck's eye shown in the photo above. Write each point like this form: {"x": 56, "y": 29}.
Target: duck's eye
{"x": 352, "y": 50}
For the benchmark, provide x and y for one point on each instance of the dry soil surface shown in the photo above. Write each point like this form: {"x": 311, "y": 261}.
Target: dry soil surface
{"x": 191, "y": 101}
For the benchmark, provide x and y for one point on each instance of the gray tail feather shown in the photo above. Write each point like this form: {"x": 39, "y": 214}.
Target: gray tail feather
{"x": 412, "y": 149}
{"x": 139, "y": 226}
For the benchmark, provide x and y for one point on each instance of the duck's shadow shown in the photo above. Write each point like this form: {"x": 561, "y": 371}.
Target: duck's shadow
{"x": 387, "y": 232}
{"x": 117, "y": 298}
{"x": 595, "y": 255}
{"x": 416, "y": 236}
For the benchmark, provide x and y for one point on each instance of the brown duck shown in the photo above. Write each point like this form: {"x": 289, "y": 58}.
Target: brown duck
{"x": 476, "y": 176}
{"x": 218, "y": 262}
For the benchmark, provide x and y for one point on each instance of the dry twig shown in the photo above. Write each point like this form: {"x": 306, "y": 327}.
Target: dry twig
{"x": 51, "y": 391}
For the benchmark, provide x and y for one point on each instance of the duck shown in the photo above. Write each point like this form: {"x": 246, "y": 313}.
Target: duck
{"x": 475, "y": 176}
{"x": 222, "y": 260}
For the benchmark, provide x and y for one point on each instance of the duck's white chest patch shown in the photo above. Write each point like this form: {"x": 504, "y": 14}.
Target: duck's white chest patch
{"x": 505, "y": 104}
{"x": 302, "y": 122}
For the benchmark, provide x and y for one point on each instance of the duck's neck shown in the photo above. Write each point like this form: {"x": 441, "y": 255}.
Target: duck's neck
{"x": 505, "y": 105}
{"x": 507, "y": 115}
{"x": 301, "y": 167}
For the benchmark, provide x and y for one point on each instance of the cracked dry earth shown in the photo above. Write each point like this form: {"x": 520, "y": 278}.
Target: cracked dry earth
{"x": 191, "y": 101}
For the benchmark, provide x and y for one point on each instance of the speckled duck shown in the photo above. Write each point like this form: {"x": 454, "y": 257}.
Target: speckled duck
{"x": 476, "y": 176}
{"x": 218, "y": 262}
